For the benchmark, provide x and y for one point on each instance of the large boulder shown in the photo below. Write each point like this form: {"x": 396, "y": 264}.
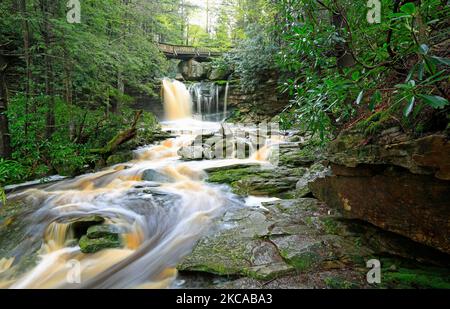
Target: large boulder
{"x": 193, "y": 70}
{"x": 88, "y": 245}
{"x": 398, "y": 184}
{"x": 99, "y": 237}
{"x": 192, "y": 153}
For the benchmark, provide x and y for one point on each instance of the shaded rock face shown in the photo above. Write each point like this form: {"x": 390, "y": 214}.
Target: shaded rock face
{"x": 399, "y": 186}
{"x": 260, "y": 104}
{"x": 429, "y": 155}
{"x": 193, "y": 70}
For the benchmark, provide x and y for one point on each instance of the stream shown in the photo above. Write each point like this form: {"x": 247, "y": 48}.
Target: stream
{"x": 160, "y": 218}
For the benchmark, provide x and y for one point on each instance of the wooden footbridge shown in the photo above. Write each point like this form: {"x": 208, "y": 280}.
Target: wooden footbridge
{"x": 183, "y": 52}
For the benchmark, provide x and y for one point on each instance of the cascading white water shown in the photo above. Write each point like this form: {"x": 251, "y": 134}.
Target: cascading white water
{"x": 211, "y": 101}
{"x": 217, "y": 98}
{"x": 177, "y": 100}
{"x": 225, "y": 101}
{"x": 160, "y": 220}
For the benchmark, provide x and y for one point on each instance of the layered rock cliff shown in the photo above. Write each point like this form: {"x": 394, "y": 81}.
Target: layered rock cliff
{"x": 395, "y": 182}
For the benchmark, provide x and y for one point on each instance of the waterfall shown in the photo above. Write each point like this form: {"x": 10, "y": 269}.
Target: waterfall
{"x": 177, "y": 100}
{"x": 217, "y": 98}
{"x": 206, "y": 100}
{"x": 225, "y": 100}
{"x": 207, "y": 96}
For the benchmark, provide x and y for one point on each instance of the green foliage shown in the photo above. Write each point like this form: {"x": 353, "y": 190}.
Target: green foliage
{"x": 326, "y": 92}
{"x": 81, "y": 78}
{"x": 428, "y": 76}
{"x": 67, "y": 151}
{"x": 2, "y": 196}
{"x": 221, "y": 64}
{"x": 251, "y": 35}
{"x": 11, "y": 171}
{"x": 254, "y": 57}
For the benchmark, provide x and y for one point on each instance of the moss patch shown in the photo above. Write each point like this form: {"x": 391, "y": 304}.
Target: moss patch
{"x": 339, "y": 283}
{"x": 411, "y": 275}
{"x": 88, "y": 245}
{"x": 277, "y": 182}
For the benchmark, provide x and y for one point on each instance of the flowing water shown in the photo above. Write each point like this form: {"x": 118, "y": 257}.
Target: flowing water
{"x": 210, "y": 100}
{"x": 160, "y": 221}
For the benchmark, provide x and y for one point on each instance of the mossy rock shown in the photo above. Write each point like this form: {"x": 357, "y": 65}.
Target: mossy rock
{"x": 104, "y": 230}
{"x": 81, "y": 225}
{"x": 238, "y": 251}
{"x": 88, "y": 245}
{"x": 259, "y": 181}
{"x": 335, "y": 282}
{"x": 302, "y": 252}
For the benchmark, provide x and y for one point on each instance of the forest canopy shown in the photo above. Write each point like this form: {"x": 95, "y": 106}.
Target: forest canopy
{"x": 67, "y": 88}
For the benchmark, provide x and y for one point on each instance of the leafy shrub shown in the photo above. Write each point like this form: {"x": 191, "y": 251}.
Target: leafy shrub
{"x": 67, "y": 152}
{"x": 254, "y": 57}
{"x": 11, "y": 172}
{"x": 327, "y": 94}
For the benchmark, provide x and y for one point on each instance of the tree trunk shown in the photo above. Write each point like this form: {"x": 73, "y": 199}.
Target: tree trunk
{"x": 26, "y": 47}
{"x": 49, "y": 74}
{"x": 5, "y": 141}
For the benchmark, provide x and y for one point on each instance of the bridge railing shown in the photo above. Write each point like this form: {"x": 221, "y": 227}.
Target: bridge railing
{"x": 187, "y": 50}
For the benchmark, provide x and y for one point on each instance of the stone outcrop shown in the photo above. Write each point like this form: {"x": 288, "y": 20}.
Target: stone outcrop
{"x": 193, "y": 70}
{"x": 266, "y": 243}
{"x": 260, "y": 104}
{"x": 394, "y": 182}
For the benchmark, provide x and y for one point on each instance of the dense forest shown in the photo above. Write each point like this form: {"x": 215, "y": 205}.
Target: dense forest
{"x": 72, "y": 71}
{"x": 63, "y": 84}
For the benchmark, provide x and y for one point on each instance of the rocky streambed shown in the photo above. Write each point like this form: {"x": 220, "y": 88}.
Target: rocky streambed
{"x": 300, "y": 224}
{"x": 298, "y": 241}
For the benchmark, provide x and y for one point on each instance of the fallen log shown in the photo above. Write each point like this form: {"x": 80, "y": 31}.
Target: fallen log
{"x": 120, "y": 138}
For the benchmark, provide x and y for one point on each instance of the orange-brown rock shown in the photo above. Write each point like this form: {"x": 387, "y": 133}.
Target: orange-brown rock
{"x": 402, "y": 187}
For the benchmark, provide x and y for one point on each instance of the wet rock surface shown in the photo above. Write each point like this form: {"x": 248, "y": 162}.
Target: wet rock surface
{"x": 90, "y": 244}
{"x": 400, "y": 186}
{"x": 19, "y": 243}
{"x": 300, "y": 242}
{"x": 259, "y": 181}
{"x": 281, "y": 238}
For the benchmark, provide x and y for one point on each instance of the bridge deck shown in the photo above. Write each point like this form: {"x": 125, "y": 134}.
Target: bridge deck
{"x": 187, "y": 52}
